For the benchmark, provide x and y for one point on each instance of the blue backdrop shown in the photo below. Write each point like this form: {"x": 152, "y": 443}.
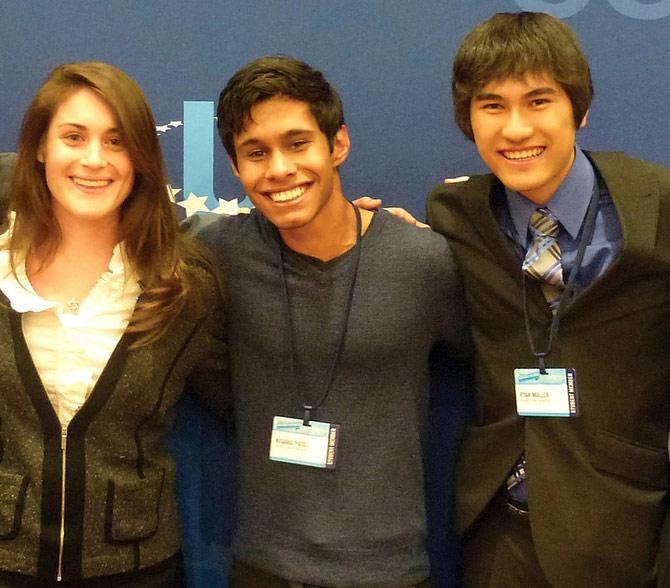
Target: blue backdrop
{"x": 390, "y": 60}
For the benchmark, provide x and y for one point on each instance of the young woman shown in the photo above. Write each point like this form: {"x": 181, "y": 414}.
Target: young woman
{"x": 107, "y": 312}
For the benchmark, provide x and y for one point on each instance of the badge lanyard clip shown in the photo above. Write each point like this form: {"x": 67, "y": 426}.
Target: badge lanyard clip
{"x": 307, "y": 415}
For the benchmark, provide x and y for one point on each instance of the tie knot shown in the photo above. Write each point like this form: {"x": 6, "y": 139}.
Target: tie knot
{"x": 543, "y": 223}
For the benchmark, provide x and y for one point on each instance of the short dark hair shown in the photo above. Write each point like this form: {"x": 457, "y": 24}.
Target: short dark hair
{"x": 276, "y": 75}
{"x": 515, "y": 45}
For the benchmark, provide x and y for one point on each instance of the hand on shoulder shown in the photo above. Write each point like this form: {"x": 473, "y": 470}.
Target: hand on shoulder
{"x": 369, "y": 203}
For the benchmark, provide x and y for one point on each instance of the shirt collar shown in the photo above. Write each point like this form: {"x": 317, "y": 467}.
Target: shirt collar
{"x": 22, "y": 296}
{"x": 568, "y": 204}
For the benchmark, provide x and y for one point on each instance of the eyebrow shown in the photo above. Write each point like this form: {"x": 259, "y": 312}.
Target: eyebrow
{"x": 84, "y": 127}
{"x": 534, "y": 92}
{"x": 286, "y": 135}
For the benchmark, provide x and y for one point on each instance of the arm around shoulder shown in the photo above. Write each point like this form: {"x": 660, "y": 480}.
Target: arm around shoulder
{"x": 209, "y": 379}
{"x": 450, "y": 300}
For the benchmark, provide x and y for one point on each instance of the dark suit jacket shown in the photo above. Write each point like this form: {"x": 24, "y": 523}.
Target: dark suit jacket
{"x": 598, "y": 483}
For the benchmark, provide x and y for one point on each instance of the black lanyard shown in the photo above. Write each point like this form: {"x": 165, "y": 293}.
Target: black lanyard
{"x": 307, "y": 407}
{"x": 587, "y": 235}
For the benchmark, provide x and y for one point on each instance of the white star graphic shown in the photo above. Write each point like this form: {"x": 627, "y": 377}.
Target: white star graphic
{"x": 172, "y": 192}
{"x": 226, "y": 207}
{"x": 194, "y": 204}
{"x": 175, "y": 123}
{"x": 162, "y": 128}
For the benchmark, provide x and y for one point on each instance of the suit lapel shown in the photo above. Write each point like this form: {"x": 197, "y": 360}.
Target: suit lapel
{"x": 636, "y": 196}
{"x": 479, "y": 206}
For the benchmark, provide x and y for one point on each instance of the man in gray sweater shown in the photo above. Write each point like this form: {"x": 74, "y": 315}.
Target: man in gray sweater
{"x": 332, "y": 315}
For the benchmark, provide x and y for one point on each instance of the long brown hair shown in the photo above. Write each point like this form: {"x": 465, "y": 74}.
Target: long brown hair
{"x": 160, "y": 254}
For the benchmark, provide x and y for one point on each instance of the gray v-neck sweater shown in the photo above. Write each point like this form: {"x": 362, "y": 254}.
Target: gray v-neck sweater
{"x": 362, "y": 523}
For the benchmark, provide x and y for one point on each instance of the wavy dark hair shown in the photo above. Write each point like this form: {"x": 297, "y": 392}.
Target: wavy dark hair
{"x": 276, "y": 75}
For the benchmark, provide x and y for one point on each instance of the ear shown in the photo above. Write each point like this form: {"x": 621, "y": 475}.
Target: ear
{"x": 584, "y": 120}
{"x": 341, "y": 146}
{"x": 233, "y": 167}
{"x": 40, "y": 152}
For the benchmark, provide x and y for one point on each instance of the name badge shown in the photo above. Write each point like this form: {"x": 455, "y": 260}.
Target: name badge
{"x": 553, "y": 394}
{"x": 313, "y": 445}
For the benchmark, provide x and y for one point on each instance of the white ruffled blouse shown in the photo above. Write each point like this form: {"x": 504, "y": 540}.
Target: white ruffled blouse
{"x": 71, "y": 343}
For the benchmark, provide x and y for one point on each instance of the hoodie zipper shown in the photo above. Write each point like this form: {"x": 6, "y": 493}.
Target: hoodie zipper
{"x": 63, "y": 449}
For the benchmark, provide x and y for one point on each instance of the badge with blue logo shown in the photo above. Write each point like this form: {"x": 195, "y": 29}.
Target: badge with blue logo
{"x": 549, "y": 394}
{"x": 313, "y": 444}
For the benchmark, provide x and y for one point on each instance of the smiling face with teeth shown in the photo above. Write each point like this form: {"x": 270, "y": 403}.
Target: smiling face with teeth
{"x": 524, "y": 130}
{"x": 88, "y": 170}
{"x": 287, "y": 168}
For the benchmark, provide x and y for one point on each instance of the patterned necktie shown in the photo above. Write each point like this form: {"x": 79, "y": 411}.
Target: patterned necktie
{"x": 543, "y": 258}
{"x": 542, "y": 263}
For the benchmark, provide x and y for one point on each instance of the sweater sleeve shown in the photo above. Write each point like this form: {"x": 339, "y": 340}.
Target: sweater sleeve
{"x": 209, "y": 380}
{"x": 455, "y": 331}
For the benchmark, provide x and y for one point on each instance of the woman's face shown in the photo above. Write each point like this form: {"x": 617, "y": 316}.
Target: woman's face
{"x": 88, "y": 169}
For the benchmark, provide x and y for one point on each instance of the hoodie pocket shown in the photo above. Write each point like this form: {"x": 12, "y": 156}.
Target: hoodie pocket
{"x": 133, "y": 508}
{"x": 13, "y": 490}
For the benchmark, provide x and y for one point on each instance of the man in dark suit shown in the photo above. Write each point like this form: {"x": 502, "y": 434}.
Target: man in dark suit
{"x": 563, "y": 476}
